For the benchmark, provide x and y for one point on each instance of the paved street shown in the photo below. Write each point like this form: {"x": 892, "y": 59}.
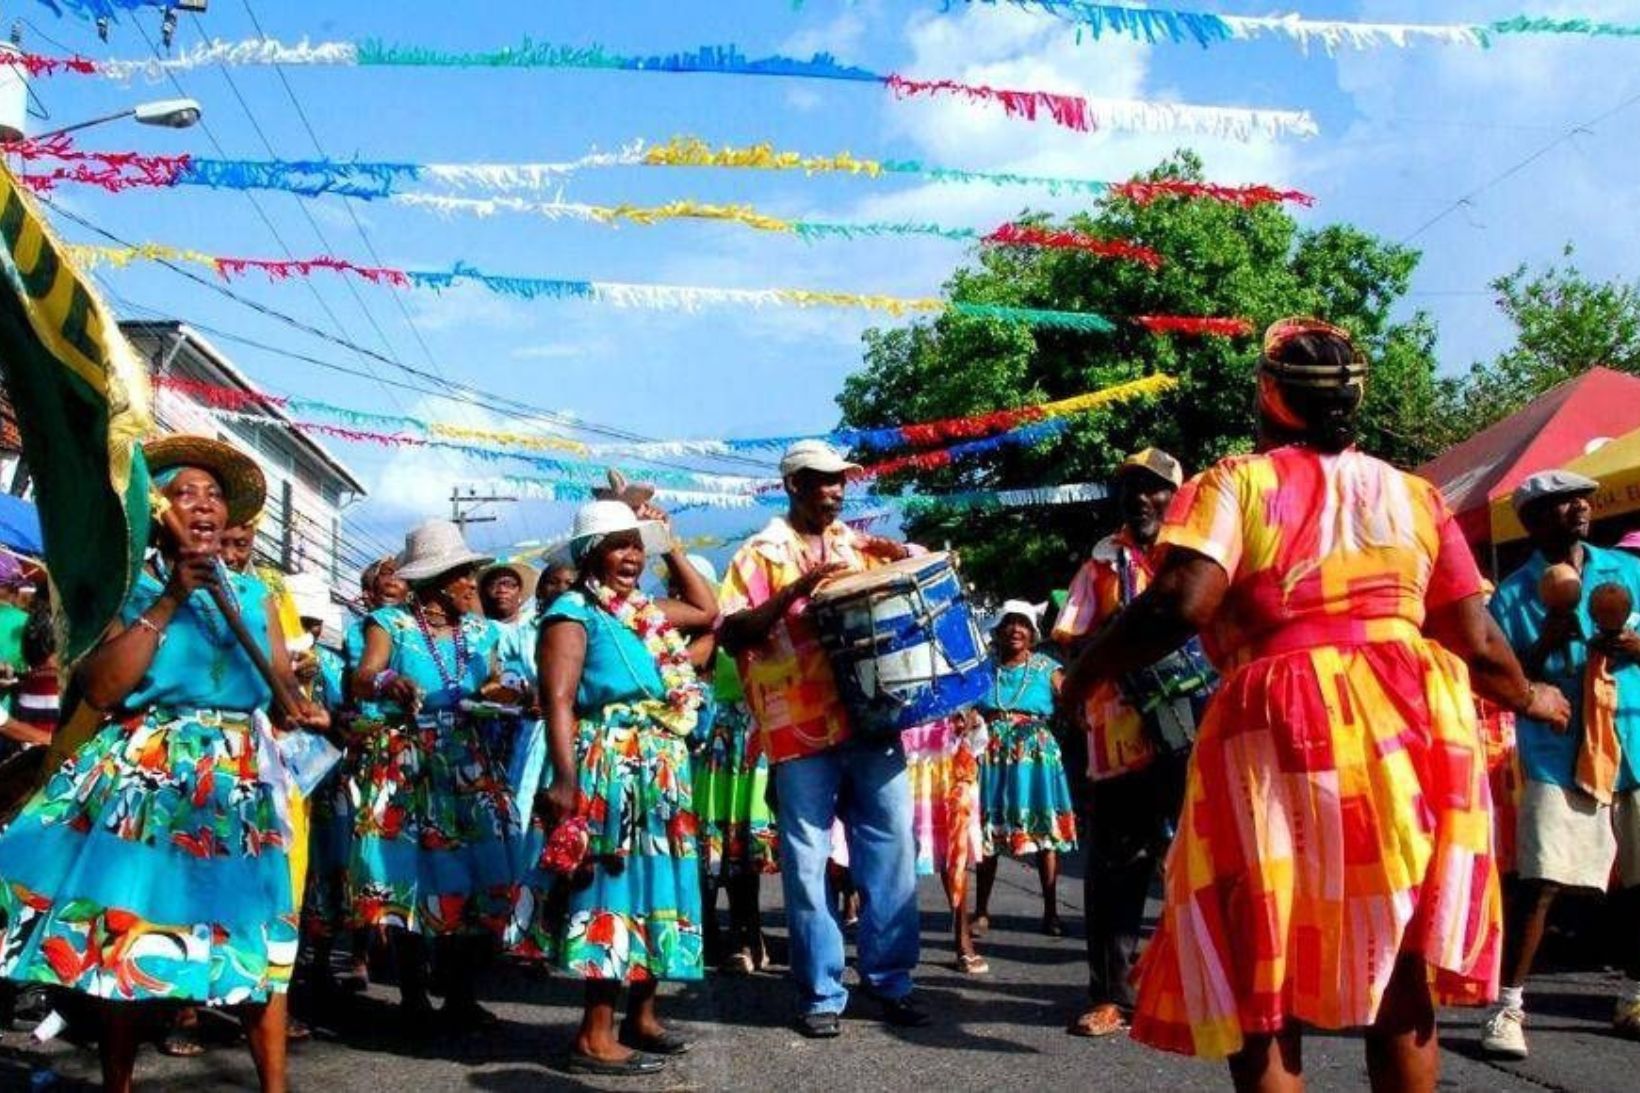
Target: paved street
{"x": 1000, "y": 1032}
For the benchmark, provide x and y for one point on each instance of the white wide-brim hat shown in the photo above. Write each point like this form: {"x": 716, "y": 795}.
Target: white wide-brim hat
{"x": 434, "y": 548}
{"x": 1030, "y": 612}
{"x": 598, "y": 520}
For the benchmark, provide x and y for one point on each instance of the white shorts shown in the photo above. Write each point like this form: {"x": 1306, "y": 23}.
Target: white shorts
{"x": 1568, "y": 837}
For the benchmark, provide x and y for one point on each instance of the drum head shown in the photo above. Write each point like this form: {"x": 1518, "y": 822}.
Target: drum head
{"x": 852, "y": 584}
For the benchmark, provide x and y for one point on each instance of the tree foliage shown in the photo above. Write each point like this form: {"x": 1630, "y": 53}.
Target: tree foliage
{"x": 1565, "y": 324}
{"x": 1218, "y": 259}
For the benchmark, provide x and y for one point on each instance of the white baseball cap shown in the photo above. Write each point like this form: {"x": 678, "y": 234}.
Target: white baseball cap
{"x": 814, "y": 455}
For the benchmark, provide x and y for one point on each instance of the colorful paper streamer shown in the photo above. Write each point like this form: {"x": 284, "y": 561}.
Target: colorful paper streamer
{"x": 1072, "y": 111}
{"x": 367, "y": 180}
{"x": 1157, "y": 25}
{"x": 914, "y": 434}
{"x": 649, "y": 296}
{"x": 100, "y": 9}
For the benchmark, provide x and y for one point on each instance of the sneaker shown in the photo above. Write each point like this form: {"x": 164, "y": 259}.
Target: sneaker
{"x": 1627, "y": 1018}
{"x": 819, "y": 1026}
{"x": 1504, "y": 1034}
{"x": 904, "y": 1012}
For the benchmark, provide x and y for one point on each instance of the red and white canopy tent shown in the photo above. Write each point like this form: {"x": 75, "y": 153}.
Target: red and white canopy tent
{"x": 1557, "y": 427}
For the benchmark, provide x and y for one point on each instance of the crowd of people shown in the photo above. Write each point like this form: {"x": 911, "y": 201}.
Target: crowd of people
{"x": 1277, "y": 689}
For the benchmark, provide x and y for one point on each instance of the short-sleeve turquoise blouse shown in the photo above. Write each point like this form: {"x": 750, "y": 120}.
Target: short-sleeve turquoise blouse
{"x": 412, "y": 658}
{"x": 618, "y": 668}
{"x": 1025, "y": 688}
{"x": 199, "y": 665}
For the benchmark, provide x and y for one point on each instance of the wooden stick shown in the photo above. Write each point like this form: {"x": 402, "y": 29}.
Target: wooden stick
{"x": 282, "y": 698}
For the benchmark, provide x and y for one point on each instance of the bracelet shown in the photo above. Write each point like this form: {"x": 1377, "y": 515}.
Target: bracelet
{"x": 148, "y": 624}
{"x": 383, "y": 678}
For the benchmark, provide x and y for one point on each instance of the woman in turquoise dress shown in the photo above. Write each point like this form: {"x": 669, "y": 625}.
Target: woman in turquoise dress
{"x": 1025, "y": 798}
{"x": 154, "y": 865}
{"x": 436, "y": 834}
{"x": 621, "y": 699}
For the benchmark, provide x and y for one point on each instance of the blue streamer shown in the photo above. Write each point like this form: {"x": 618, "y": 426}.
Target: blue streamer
{"x": 306, "y": 177}
{"x": 524, "y": 288}
{"x": 530, "y": 54}
{"x": 99, "y": 9}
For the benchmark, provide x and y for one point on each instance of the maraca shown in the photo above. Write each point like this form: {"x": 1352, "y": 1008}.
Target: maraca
{"x": 1560, "y": 588}
{"x": 1611, "y": 605}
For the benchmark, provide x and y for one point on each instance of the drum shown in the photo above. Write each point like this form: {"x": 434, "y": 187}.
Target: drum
{"x": 903, "y": 644}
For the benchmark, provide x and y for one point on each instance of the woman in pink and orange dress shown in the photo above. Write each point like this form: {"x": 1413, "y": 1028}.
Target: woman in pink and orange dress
{"x": 1333, "y": 866}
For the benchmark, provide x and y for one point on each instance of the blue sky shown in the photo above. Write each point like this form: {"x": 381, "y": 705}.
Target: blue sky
{"x": 1404, "y": 133}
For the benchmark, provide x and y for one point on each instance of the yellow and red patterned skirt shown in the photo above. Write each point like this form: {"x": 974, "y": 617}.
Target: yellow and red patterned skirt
{"x": 1337, "y": 818}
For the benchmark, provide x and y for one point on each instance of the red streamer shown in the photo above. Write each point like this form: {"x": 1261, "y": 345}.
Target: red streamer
{"x": 112, "y": 171}
{"x": 1071, "y": 111}
{"x": 230, "y": 268}
{"x": 927, "y": 434}
{"x": 225, "y": 398}
{"x": 1194, "y": 324}
{"x": 1143, "y": 193}
{"x": 1027, "y": 235}
{"x": 40, "y": 65}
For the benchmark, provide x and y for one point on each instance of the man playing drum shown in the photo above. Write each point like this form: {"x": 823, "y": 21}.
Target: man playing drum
{"x": 821, "y": 770}
{"x": 1135, "y": 776}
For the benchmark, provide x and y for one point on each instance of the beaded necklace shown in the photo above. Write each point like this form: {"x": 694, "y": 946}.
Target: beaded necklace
{"x": 1024, "y": 681}
{"x": 451, "y": 680}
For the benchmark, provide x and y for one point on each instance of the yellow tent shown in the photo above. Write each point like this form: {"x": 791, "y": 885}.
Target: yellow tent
{"x": 1615, "y": 465}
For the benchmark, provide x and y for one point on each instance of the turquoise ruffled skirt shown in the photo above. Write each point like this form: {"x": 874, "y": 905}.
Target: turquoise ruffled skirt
{"x": 152, "y": 866}
{"x": 1025, "y": 799}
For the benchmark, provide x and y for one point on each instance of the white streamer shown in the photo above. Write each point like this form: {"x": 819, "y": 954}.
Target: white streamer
{"x": 1331, "y": 34}
{"x": 256, "y": 51}
{"x": 1232, "y": 123}
{"x": 512, "y": 177}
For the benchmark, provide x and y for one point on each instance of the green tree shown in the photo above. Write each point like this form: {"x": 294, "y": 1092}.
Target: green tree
{"x": 1217, "y": 259}
{"x": 1565, "y": 324}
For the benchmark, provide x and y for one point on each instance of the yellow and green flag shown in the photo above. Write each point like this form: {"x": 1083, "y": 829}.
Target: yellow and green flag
{"x": 82, "y": 401}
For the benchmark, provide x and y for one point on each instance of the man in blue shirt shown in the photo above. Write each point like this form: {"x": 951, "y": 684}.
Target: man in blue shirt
{"x": 1568, "y": 837}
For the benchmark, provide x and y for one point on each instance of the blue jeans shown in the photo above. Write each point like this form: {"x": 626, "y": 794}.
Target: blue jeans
{"x": 866, "y": 786}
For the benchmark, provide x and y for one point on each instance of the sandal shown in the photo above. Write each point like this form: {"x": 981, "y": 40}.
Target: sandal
{"x": 1052, "y": 927}
{"x": 665, "y": 1042}
{"x": 297, "y": 1031}
{"x": 182, "y": 1042}
{"x": 633, "y": 1065}
{"x": 972, "y": 964}
{"x": 1100, "y": 1021}
{"x": 738, "y": 964}
{"x": 979, "y": 924}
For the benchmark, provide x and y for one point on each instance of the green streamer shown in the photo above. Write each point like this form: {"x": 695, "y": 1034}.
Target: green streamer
{"x": 1527, "y": 24}
{"x": 1086, "y": 322}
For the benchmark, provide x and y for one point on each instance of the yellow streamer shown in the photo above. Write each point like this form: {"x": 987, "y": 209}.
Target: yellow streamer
{"x": 694, "y": 152}
{"x": 893, "y": 305}
{"x": 693, "y": 210}
{"x": 521, "y": 440}
{"x": 88, "y": 256}
{"x": 1081, "y": 404}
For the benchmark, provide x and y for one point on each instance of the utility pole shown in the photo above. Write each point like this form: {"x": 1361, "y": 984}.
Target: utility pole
{"x": 463, "y": 505}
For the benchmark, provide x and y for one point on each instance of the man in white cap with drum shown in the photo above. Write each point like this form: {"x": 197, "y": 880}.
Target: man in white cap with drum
{"x": 1580, "y": 808}
{"x": 819, "y": 771}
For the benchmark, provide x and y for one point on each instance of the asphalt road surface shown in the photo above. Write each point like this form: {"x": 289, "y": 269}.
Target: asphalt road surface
{"x": 1003, "y": 1031}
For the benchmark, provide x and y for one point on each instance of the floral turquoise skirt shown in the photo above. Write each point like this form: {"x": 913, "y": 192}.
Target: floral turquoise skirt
{"x": 330, "y": 850}
{"x": 632, "y": 913}
{"x": 731, "y": 794}
{"x": 435, "y": 834}
{"x": 153, "y": 865}
{"x": 1025, "y": 800}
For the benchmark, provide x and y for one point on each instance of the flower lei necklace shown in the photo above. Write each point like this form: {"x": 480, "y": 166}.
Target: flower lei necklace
{"x": 638, "y": 613}
{"x": 451, "y": 680}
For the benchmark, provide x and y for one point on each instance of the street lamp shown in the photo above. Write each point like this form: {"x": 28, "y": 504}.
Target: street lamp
{"x": 169, "y": 113}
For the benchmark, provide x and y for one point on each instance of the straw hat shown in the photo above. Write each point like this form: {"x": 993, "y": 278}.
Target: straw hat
{"x": 597, "y": 520}
{"x": 435, "y": 548}
{"x": 528, "y": 576}
{"x": 243, "y": 485}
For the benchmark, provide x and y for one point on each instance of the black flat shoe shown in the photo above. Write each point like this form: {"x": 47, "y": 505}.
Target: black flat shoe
{"x": 667, "y": 1043}
{"x": 634, "y": 1065}
{"x": 904, "y": 1012}
{"x": 820, "y": 1026}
